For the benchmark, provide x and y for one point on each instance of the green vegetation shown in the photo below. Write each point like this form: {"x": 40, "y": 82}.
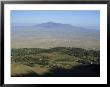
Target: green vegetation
{"x": 41, "y": 61}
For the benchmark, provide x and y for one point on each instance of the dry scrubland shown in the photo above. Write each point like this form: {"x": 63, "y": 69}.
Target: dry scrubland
{"x": 59, "y": 61}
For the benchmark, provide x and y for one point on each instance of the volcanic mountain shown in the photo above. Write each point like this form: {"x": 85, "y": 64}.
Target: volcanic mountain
{"x": 50, "y": 34}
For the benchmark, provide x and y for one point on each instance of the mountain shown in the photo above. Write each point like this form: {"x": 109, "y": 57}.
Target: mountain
{"x": 52, "y": 34}
{"x": 66, "y": 29}
{"x": 53, "y": 25}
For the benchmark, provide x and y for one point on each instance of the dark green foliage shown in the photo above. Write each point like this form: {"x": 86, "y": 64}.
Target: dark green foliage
{"x": 33, "y": 56}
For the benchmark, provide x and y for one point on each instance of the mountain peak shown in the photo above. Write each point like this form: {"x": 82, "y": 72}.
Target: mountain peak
{"x": 54, "y": 25}
{"x": 50, "y": 22}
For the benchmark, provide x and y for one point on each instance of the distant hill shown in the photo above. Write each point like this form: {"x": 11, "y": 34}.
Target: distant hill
{"x": 53, "y": 25}
{"x": 50, "y": 34}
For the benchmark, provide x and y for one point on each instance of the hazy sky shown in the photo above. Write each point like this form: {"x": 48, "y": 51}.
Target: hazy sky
{"x": 76, "y": 18}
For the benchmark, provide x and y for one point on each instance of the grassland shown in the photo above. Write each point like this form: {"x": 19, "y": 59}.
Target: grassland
{"x": 58, "y": 61}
